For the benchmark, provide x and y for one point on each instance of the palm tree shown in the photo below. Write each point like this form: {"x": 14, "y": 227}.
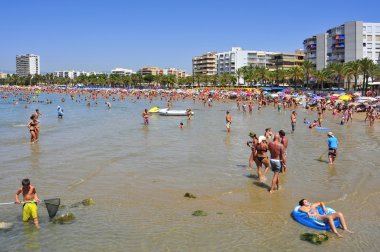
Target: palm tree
{"x": 281, "y": 75}
{"x": 338, "y": 72}
{"x": 296, "y": 74}
{"x": 262, "y": 73}
{"x": 308, "y": 68}
{"x": 272, "y": 77}
{"x": 321, "y": 76}
{"x": 224, "y": 79}
{"x": 366, "y": 66}
{"x": 353, "y": 67}
{"x": 214, "y": 79}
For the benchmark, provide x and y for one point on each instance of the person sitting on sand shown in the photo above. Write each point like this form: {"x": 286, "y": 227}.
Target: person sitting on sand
{"x": 312, "y": 212}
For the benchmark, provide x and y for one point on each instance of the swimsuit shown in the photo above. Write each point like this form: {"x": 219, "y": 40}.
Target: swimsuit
{"x": 261, "y": 159}
{"x": 29, "y": 210}
{"x": 332, "y": 152}
{"x": 276, "y": 165}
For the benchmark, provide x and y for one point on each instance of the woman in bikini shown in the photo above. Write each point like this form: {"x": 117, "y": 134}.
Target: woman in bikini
{"x": 261, "y": 157}
{"x": 252, "y": 144}
{"x": 32, "y": 125}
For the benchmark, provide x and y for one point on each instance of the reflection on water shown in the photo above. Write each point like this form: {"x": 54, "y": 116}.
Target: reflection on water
{"x": 138, "y": 175}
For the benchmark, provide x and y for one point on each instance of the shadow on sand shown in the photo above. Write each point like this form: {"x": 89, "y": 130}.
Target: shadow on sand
{"x": 262, "y": 185}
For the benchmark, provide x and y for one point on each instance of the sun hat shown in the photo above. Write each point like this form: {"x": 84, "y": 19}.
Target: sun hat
{"x": 252, "y": 134}
{"x": 330, "y": 134}
{"x": 262, "y": 138}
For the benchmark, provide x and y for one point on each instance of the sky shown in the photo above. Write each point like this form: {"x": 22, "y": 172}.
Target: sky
{"x": 102, "y": 35}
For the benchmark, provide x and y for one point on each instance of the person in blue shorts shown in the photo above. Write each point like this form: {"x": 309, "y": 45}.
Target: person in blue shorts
{"x": 332, "y": 142}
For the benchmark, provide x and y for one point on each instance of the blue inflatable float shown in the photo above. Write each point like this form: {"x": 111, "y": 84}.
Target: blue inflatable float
{"x": 304, "y": 219}
{"x": 320, "y": 128}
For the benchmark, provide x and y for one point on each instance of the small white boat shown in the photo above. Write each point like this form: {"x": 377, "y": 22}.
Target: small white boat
{"x": 167, "y": 112}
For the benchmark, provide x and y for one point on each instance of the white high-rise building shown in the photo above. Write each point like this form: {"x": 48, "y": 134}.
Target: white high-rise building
{"x": 27, "y": 64}
{"x": 344, "y": 43}
{"x": 230, "y": 62}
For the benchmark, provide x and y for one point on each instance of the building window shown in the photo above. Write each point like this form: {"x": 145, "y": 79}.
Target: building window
{"x": 377, "y": 38}
{"x": 369, "y": 29}
{"x": 377, "y": 29}
{"x": 369, "y": 45}
{"x": 369, "y": 37}
{"x": 369, "y": 55}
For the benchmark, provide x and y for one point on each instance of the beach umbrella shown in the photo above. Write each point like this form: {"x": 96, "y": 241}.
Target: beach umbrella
{"x": 317, "y": 98}
{"x": 345, "y": 98}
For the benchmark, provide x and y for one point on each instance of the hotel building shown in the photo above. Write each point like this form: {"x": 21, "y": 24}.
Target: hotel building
{"x": 173, "y": 71}
{"x": 205, "y": 64}
{"x": 344, "y": 43}
{"x": 286, "y": 61}
{"x": 122, "y": 71}
{"x": 28, "y": 64}
{"x": 150, "y": 70}
{"x": 229, "y": 62}
{"x": 69, "y": 74}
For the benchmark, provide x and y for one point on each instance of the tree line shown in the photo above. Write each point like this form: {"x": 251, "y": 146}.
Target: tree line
{"x": 341, "y": 75}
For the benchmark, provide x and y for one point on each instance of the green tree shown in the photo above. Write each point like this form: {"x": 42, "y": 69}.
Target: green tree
{"x": 308, "y": 68}
{"x": 366, "y": 66}
{"x": 296, "y": 74}
{"x": 353, "y": 67}
{"x": 338, "y": 72}
{"x": 321, "y": 76}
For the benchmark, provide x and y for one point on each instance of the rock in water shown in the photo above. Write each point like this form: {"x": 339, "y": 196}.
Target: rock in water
{"x": 199, "y": 213}
{"x": 85, "y": 202}
{"x": 189, "y": 195}
{"x": 6, "y": 225}
{"x": 314, "y": 238}
{"x": 64, "y": 219}
{"x": 88, "y": 202}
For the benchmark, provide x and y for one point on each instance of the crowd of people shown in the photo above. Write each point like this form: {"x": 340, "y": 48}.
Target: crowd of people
{"x": 268, "y": 151}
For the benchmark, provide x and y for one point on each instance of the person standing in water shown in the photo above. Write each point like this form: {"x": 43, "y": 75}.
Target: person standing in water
{"x": 284, "y": 142}
{"x": 332, "y": 142}
{"x": 30, "y": 200}
{"x": 252, "y": 144}
{"x": 261, "y": 158}
{"x": 145, "y": 115}
{"x": 60, "y": 112}
{"x": 188, "y": 113}
{"x": 293, "y": 120}
{"x": 32, "y": 126}
{"x": 277, "y": 161}
{"x": 228, "y": 121}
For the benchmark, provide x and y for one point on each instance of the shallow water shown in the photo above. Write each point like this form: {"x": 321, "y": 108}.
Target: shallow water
{"x": 137, "y": 176}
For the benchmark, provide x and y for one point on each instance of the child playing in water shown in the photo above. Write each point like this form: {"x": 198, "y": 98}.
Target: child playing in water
{"x": 30, "y": 200}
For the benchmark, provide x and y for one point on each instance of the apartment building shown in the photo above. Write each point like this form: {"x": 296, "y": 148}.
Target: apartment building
{"x": 229, "y": 62}
{"x": 173, "y": 71}
{"x": 150, "y": 70}
{"x": 3, "y": 75}
{"x": 205, "y": 64}
{"x": 27, "y": 64}
{"x": 122, "y": 71}
{"x": 72, "y": 74}
{"x": 344, "y": 43}
{"x": 286, "y": 60}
